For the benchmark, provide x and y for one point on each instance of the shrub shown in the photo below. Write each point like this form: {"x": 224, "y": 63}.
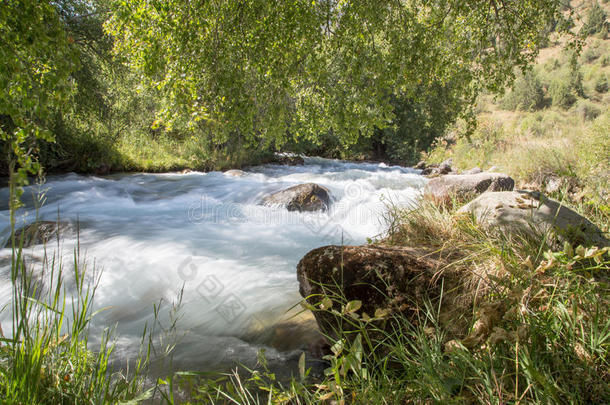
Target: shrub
{"x": 552, "y": 64}
{"x": 575, "y": 79}
{"x": 526, "y": 95}
{"x": 587, "y": 110}
{"x": 601, "y": 84}
{"x": 562, "y": 94}
{"x": 593, "y": 158}
{"x": 596, "y": 20}
{"x": 590, "y": 54}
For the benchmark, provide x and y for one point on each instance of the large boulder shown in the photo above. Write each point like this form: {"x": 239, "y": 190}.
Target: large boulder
{"x": 463, "y": 186}
{"x": 303, "y": 197}
{"x": 474, "y": 170}
{"x": 385, "y": 280}
{"x": 40, "y": 232}
{"x": 531, "y": 213}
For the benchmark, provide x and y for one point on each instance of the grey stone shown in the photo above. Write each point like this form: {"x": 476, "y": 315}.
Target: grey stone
{"x": 529, "y": 212}
{"x": 40, "y": 232}
{"x": 463, "y": 186}
{"x": 303, "y": 197}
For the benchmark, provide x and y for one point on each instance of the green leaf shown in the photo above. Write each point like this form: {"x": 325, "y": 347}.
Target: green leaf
{"x": 569, "y": 251}
{"x": 337, "y": 348}
{"x": 302, "y": 366}
{"x": 326, "y": 303}
{"x": 382, "y": 313}
{"x": 352, "y": 306}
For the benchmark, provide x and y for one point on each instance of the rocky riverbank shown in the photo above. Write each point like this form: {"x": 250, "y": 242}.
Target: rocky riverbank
{"x": 429, "y": 259}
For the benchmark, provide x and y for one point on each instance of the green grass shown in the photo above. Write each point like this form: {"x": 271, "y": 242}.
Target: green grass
{"x": 535, "y": 148}
{"x": 137, "y": 151}
{"x": 46, "y": 357}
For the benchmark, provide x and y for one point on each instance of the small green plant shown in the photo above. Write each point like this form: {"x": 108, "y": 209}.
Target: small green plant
{"x": 527, "y": 94}
{"x": 590, "y": 54}
{"x": 587, "y": 110}
{"x": 596, "y": 20}
{"x": 562, "y": 93}
{"x": 601, "y": 84}
{"x": 552, "y": 65}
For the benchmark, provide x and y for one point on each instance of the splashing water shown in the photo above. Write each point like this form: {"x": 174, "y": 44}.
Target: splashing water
{"x": 205, "y": 234}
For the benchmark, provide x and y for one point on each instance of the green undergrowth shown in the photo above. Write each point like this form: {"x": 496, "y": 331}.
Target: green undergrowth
{"x": 46, "y": 357}
{"x": 552, "y": 151}
{"x": 551, "y": 130}
{"x": 137, "y": 151}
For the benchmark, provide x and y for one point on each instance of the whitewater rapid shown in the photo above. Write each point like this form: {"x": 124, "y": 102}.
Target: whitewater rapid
{"x": 204, "y": 236}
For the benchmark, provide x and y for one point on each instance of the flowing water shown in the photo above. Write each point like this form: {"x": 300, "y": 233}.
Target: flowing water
{"x": 205, "y": 237}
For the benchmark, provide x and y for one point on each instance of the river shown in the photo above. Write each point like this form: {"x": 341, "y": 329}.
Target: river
{"x": 203, "y": 237}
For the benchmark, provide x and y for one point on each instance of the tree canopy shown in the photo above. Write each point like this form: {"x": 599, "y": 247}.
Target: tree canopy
{"x": 261, "y": 69}
{"x": 35, "y": 64}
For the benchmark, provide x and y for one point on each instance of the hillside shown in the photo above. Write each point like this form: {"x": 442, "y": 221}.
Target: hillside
{"x": 551, "y": 131}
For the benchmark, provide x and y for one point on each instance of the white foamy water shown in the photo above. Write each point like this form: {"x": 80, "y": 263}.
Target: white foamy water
{"x": 153, "y": 235}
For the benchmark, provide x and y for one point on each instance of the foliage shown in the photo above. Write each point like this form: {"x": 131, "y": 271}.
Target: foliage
{"x": 35, "y": 63}
{"x": 601, "y": 84}
{"x": 263, "y": 70}
{"x": 104, "y": 105}
{"x": 562, "y": 92}
{"x": 596, "y": 20}
{"x": 526, "y": 95}
{"x": 418, "y": 120}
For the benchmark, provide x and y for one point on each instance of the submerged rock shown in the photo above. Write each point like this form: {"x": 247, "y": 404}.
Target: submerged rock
{"x": 529, "y": 212}
{"x": 234, "y": 173}
{"x": 40, "y": 232}
{"x": 303, "y": 197}
{"x": 299, "y": 332}
{"x": 463, "y": 186}
{"x": 385, "y": 280}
